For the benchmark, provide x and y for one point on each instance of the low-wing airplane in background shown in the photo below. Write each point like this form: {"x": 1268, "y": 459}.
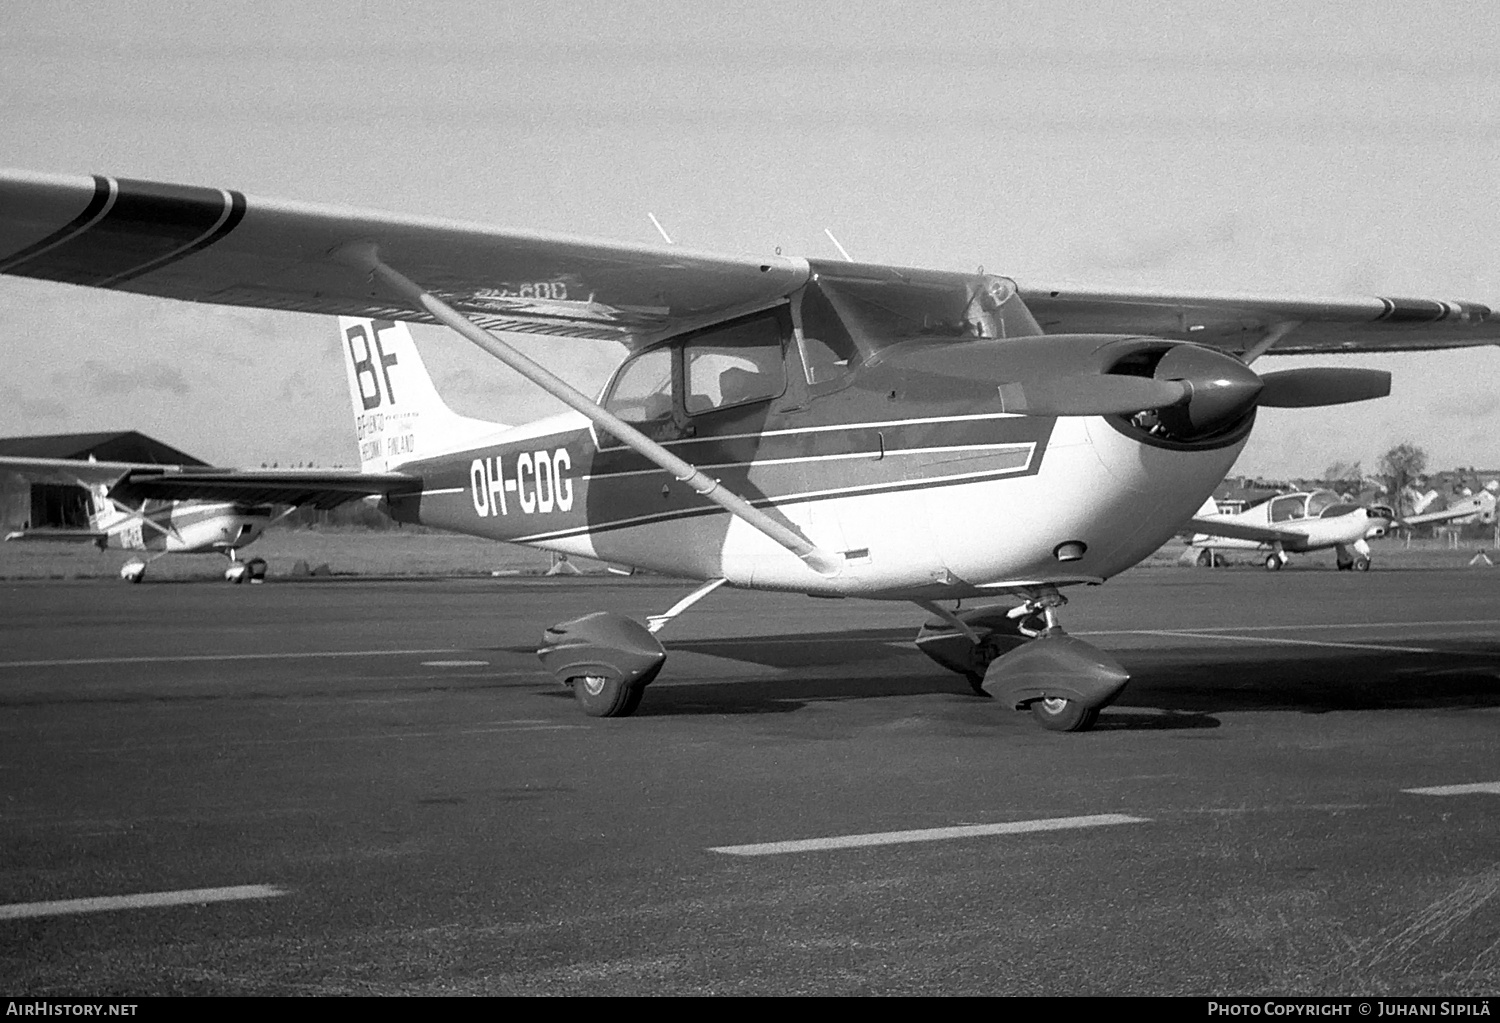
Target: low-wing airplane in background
{"x": 831, "y": 428}
{"x": 1295, "y": 524}
{"x": 1313, "y": 521}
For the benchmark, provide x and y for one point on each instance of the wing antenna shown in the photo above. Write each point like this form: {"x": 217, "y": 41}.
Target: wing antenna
{"x": 842, "y": 251}
{"x": 659, "y": 229}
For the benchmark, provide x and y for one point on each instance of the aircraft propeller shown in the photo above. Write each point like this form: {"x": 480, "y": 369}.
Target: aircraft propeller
{"x": 1196, "y": 390}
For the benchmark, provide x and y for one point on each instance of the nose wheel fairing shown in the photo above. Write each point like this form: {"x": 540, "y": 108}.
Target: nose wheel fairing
{"x": 1071, "y": 680}
{"x": 1023, "y": 658}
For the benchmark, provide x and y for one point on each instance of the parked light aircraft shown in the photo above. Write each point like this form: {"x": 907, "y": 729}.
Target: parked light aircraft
{"x": 173, "y": 509}
{"x": 837, "y": 429}
{"x": 1312, "y": 521}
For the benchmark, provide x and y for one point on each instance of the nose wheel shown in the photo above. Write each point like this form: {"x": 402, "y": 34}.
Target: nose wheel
{"x": 1023, "y": 658}
{"x": 1059, "y": 714}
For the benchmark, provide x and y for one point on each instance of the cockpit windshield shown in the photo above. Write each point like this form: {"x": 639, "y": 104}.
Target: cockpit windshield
{"x": 1319, "y": 501}
{"x": 850, "y": 312}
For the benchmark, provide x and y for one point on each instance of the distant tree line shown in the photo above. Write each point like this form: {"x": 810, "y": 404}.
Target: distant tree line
{"x": 354, "y": 515}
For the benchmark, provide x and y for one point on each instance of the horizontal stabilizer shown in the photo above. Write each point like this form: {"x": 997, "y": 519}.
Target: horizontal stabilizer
{"x": 59, "y": 535}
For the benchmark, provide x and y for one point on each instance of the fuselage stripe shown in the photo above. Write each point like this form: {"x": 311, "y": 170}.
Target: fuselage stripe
{"x": 778, "y": 502}
{"x": 794, "y": 431}
{"x": 868, "y": 455}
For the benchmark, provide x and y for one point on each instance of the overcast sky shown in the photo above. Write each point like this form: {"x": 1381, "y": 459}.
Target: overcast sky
{"x": 1271, "y": 147}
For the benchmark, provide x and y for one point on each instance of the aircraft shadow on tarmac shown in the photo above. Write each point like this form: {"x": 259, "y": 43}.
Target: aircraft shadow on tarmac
{"x": 1171, "y": 687}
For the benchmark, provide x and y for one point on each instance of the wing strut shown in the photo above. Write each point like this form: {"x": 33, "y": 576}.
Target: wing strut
{"x": 364, "y": 256}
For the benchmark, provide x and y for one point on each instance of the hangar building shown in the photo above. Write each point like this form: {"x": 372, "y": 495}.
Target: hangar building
{"x": 26, "y": 504}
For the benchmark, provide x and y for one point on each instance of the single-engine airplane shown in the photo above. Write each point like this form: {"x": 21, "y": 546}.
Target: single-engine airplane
{"x": 154, "y": 527}
{"x": 1309, "y": 521}
{"x": 1295, "y": 524}
{"x": 182, "y": 509}
{"x": 837, "y": 429}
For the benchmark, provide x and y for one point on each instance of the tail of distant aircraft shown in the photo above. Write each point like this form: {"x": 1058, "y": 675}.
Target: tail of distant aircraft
{"x": 398, "y": 415}
{"x": 102, "y": 513}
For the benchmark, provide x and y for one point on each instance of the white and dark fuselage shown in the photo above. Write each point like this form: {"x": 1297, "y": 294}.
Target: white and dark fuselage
{"x": 915, "y": 479}
{"x": 180, "y": 527}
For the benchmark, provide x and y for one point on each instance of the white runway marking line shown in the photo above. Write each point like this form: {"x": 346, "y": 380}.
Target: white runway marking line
{"x": 145, "y": 900}
{"x": 926, "y": 835}
{"x": 1302, "y": 627}
{"x": 1231, "y": 637}
{"x": 182, "y": 658}
{"x": 1488, "y": 787}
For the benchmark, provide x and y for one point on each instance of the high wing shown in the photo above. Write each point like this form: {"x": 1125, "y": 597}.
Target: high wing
{"x": 212, "y": 245}
{"x": 1246, "y": 531}
{"x": 1240, "y": 323}
{"x": 129, "y": 481}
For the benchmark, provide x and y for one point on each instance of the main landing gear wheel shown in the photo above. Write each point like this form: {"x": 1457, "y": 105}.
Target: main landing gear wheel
{"x": 1273, "y": 563}
{"x": 603, "y": 697}
{"x": 1057, "y": 714}
{"x": 1361, "y": 564}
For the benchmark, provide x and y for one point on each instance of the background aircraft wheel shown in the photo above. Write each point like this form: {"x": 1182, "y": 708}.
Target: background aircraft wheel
{"x": 1361, "y": 564}
{"x": 1060, "y": 715}
{"x": 1273, "y": 563}
{"x": 1205, "y": 559}
{"x": 603, "y": 697}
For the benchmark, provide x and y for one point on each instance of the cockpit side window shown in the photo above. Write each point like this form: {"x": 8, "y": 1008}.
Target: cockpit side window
{"x": 642, "y": 388}
{"x": 734, "y": 364}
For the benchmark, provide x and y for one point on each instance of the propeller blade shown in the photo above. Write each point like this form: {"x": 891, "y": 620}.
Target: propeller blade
{"x": 1307, "y": 388}
{"x": 1084, "y": 394}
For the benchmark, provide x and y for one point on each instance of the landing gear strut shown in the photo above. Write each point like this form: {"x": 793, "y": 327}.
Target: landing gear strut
{"x": 1359, "y": 561}
{"x": 253, "y": 571}
{"x": 1062, "y": 680}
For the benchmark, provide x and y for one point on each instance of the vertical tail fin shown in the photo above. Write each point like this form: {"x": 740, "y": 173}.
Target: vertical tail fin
{"x": 398, "y": 415}
{"x": 102, "y": 513}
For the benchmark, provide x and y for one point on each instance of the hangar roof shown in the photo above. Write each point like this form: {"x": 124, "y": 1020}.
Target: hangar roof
{"x": 127, "y": 446}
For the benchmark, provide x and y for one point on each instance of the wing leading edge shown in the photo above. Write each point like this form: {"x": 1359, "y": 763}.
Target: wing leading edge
{"x": 1240, "y": 323}
{"x": 213, "y": 245}
{"x": 1245, "y": 531}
